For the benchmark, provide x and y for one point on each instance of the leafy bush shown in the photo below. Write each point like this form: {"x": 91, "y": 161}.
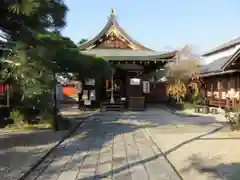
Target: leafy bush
{"x": 233, "y": 119}
{"x": 17, "y": 117}
{"x": 177, "y": 91}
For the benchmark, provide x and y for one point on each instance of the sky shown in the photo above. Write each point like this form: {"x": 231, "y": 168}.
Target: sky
{"x": 159, "y": 24}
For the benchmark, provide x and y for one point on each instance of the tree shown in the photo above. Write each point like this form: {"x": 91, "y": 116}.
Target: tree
{"x": 26, "y": 25}
{"x": 38, "y": 51}
{"x": 52, "y": 54}
{"x": 180, "y": 72}
{"x": 21, "y": 16}
{"x": 82, "y": 41}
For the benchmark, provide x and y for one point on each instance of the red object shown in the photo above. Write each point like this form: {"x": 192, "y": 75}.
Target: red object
{"x": 3, "y": 88}
{"x": 69, "y": 90}
{"x": 106, "y": 84}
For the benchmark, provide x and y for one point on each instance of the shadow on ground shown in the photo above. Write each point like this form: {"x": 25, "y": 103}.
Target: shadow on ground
{"x": 20, "y": 150}
{"x": 223, "y": 171}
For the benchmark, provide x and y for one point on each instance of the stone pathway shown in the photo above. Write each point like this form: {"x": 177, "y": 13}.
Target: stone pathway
{"x": 153, "y": 144}
{"x": 200, "y": 148}
{"x": 110, "y": 147}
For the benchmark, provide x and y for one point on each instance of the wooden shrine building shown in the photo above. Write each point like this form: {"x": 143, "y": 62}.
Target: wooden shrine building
{"x": 222, "y": 81}
{"x": 131, "y": 61}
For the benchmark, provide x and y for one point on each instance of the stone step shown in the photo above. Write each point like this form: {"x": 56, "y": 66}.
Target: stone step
{"x": 113, "y": 107}
{"x": 115, "y": 103}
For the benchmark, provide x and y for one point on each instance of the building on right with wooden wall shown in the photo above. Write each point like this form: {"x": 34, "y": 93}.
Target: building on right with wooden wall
{"x": 221, "y": 74}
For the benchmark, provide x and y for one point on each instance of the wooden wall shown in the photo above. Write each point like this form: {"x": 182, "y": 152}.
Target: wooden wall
{"x": 158, "y": 93}
{"x": 216, "y": 88}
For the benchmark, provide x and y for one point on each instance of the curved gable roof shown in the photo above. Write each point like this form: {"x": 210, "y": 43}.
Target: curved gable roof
{"x": 112, "y": 22}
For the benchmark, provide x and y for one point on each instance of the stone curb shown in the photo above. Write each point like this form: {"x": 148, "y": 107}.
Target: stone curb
{"x": 172, "y": 111}
{"x": 67, "y": 135}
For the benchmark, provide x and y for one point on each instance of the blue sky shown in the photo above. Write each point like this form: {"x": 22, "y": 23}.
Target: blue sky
{"x": 159, "y": 24}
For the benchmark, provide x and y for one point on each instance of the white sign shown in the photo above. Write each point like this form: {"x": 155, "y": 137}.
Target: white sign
{"x": 209, "y": 93}
{"x": 135, "y": 81}
{"x": 90, "y": 82}
{"x": 231, "y": 94}
{"x": 146, "y": 87}
{"x": 92, "y": 95}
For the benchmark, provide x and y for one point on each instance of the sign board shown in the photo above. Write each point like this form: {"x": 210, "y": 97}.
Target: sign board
{"x": 87, "y": 102}
{"x": 90, "y": 82}
{"x": 135, "y": 81}
{"x": 92, "y": 95}
{"x": 85, "y": 95}
{"x": 146, "y": 87}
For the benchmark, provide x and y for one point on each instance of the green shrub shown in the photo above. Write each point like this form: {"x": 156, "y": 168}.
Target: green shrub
{"x": 188, "y": 105}
{"x": 233, "y": 119}
{"x": 17, "y": 116}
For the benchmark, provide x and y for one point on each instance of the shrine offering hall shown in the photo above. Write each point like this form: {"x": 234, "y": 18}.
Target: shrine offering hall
{"x": 136, "y": 69}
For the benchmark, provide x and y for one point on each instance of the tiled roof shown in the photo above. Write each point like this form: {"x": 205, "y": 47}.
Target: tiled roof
{"x": 228, "y": 44}
{"x": 215, "y": 66}
{"x": 122, "y": 54}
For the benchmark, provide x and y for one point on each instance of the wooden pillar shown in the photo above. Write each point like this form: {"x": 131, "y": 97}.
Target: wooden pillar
{"x": 237, "y": 79}
{"x": 232, "y": 81}
{"x": 237, "y": 89}
{"x": 205, "y": 94}
{"x": 228, "y": 103}
{"x": 219, "y": 92}
{"x": 234, "y": 102}
{"x": 229, "y": 84}
{"x": 212, "y": 90}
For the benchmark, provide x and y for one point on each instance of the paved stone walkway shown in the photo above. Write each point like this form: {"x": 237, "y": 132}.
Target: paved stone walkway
{"x": 200, "y": 148}
{"x": 153, "y": 144}
{"x": 110, "y": 147}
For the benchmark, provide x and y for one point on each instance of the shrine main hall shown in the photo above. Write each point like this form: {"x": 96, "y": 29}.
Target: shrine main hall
{"x": 138, "y": 77}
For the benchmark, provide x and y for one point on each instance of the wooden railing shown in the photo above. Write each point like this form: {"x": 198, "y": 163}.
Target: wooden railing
{"x": 223, "y": 103}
